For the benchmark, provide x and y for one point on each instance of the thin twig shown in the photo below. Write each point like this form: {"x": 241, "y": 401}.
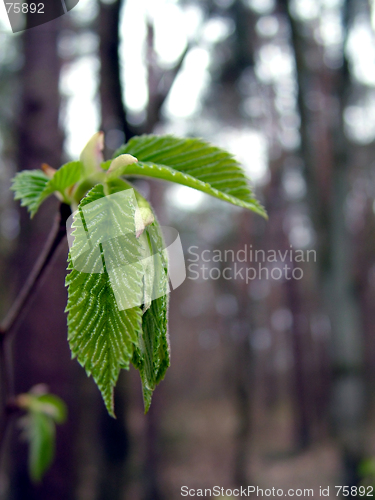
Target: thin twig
{"x": 15, "y": 314}
{"x": 56, "y": 235}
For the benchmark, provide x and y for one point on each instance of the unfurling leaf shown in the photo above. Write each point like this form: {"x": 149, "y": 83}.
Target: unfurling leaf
{"x": 119, "y": 164}
{"x": 91, "y": 155}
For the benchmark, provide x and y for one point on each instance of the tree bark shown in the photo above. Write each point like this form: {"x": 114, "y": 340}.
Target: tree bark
{"x": 41, "y": 353}
{"x": 113, "y": 113}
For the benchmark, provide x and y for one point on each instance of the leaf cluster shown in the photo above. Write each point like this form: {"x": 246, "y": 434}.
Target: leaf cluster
{"x": 103, "y": 337}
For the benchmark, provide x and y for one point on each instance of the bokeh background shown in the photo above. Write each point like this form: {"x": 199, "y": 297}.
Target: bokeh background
{"x": 271, "y": 382}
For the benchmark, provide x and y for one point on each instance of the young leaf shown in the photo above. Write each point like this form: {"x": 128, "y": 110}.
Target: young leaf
{"x": 193, "y": 163}
{"x": 32, "y": 187}
{"x": 65, "y": 177}
{"x": 52, "y": 406}
{"x": 101, "y": 336}
{"x": 91, "y": 155}
{"x": 29, "y": 186}
{"x": 42, "y": 412}
{"x": 40, "y": 432}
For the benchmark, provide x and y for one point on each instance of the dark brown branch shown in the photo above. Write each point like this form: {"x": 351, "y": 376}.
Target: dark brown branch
{"x": 159, "y": 82}
{"x": 56, "y": 236}
{"x": 110, "y": 89}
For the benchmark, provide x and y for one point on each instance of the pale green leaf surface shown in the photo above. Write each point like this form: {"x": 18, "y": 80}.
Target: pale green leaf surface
{"x": 218, "y": 172}
{"x": 151, "y": 355}
{"x": 100, "y": 335}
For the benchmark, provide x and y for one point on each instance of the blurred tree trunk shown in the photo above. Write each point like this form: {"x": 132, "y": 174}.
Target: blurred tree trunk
{"x": 223, "y": 101}
{"x": 299, "y": 337}
{"x": 327, "y": 195}
{"x": 40, "y": 348}
{"x": 113, "y": 113}
{"x": 243, "y": 363}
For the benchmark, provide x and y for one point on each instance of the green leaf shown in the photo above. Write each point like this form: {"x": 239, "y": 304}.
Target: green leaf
{"x": 104, "y": 332}
{"x": 48, "y": 404}
{"x": 52, "y": 406}
{"x": 32, "y": 187}
{"x": 193, "y": 163}
{"x": 42, "y": 412}
{"x": 151, "y": 356}
{"x": 29, "y": 186}
{"x": 101, "y": 336}
{"x": 39, "y": 430}
{"x": 65, "y": 177}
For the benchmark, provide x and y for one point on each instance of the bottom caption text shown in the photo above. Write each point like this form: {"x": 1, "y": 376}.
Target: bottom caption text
{"x": 219, "y": 491}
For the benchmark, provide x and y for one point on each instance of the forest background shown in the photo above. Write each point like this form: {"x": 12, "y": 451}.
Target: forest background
{"x": 271, "y": 381}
